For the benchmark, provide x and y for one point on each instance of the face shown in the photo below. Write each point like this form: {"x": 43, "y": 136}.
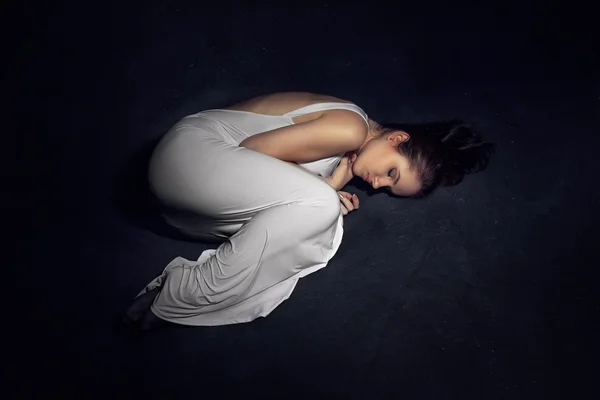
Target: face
{"x": 379, "y": 163}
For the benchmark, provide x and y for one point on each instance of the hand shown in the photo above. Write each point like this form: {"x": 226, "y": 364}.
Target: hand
{"x": 343, "y": 172}
{"x": 349, "y": 202}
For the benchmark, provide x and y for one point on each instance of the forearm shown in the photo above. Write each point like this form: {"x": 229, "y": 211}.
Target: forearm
{"x": 341, "y": 184}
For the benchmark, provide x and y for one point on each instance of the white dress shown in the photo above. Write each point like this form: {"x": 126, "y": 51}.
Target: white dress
{"x": 277, "y": 223}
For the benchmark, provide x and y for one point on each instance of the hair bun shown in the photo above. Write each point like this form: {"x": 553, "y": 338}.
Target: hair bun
{"x": 465, "y": 153}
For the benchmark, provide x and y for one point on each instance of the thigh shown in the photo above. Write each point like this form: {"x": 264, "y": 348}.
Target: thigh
{"x": 194, "y": 171}
{"x": 201, "y": 227}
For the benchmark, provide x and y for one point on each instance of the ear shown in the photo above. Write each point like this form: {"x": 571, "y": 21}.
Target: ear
{"x": 399, "y": 137}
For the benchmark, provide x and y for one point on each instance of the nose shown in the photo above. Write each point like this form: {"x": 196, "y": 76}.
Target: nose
{"x": 375, "y": 183}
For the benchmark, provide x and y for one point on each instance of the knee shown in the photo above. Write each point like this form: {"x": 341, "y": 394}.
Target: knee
{"x": 326, "y": 199}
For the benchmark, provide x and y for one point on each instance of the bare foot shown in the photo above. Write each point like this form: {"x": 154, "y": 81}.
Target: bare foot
{"x": 139, "y": 317}
{"x": 151, "y": 321}
{"x": 141, "y": 305}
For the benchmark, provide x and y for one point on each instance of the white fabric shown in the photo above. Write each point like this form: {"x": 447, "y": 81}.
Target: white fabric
{"x": 276, "y": 222}
{"x": 238, "y": 125}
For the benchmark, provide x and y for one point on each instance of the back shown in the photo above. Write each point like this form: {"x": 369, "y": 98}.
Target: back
{"x": 284, "y": 102}
{"x": 236, "y": 123}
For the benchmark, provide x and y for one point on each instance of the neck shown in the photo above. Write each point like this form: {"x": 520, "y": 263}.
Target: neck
{"x": 372, "y": 133}
{"x": 374, "y": 129}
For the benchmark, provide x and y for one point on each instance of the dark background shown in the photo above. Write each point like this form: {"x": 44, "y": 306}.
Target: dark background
{"x": 482, "y": 291}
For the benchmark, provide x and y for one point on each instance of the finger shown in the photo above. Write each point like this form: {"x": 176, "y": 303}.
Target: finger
{"x": 348, "y": 204}
{"x": 345, "y": 196}
{"x": 353, "y": 199}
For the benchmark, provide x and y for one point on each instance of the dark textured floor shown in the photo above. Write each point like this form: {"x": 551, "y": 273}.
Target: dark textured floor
{"x": 482, "y": 291}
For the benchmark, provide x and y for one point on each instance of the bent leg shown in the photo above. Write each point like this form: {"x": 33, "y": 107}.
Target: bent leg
{"x": 276, "y": 245}
{"x": 279, "y": 223}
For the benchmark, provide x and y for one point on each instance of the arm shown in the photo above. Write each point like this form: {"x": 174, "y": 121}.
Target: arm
{"x": 342, "y": 174}
{"x": 336, "y": 132}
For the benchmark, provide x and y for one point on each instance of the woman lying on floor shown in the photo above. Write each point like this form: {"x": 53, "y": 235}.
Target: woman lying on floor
{"x": 263, "y": 178}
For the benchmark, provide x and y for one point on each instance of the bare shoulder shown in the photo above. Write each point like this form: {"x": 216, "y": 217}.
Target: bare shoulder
{"x": 283, "y": 102}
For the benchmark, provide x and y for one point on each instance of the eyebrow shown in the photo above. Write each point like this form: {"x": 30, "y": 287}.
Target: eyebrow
{"x": 397, "y": 179}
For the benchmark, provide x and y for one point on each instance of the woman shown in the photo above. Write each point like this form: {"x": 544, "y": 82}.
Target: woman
{"x": 264, "y": 179}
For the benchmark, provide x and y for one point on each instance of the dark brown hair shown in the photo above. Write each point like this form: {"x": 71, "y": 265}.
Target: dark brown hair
{"x": 441, "y": 153}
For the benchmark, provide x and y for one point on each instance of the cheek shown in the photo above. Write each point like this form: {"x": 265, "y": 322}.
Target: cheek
{"x": 363, "y": 155}
{"x": 360, "y": 160}
{"x": 353, "y": 165}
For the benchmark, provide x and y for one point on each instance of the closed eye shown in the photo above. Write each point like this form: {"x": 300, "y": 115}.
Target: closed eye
{"x": 390, "y": 174}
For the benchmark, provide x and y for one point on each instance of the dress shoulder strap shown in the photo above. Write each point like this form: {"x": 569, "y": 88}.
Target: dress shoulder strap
{"x": 328, "y": 106}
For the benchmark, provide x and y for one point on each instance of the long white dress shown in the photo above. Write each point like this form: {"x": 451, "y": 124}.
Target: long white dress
{"x": 277, "y": 223}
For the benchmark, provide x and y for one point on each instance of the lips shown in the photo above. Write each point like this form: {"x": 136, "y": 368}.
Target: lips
{"x": 366, "y": 177}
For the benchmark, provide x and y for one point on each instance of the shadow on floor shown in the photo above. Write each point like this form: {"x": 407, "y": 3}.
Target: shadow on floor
{"x": 132, "y": 199}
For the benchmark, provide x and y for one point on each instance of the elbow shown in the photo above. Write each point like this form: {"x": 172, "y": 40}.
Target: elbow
{"x": 249, "y": 144}
{"x": 244, "y": 143}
